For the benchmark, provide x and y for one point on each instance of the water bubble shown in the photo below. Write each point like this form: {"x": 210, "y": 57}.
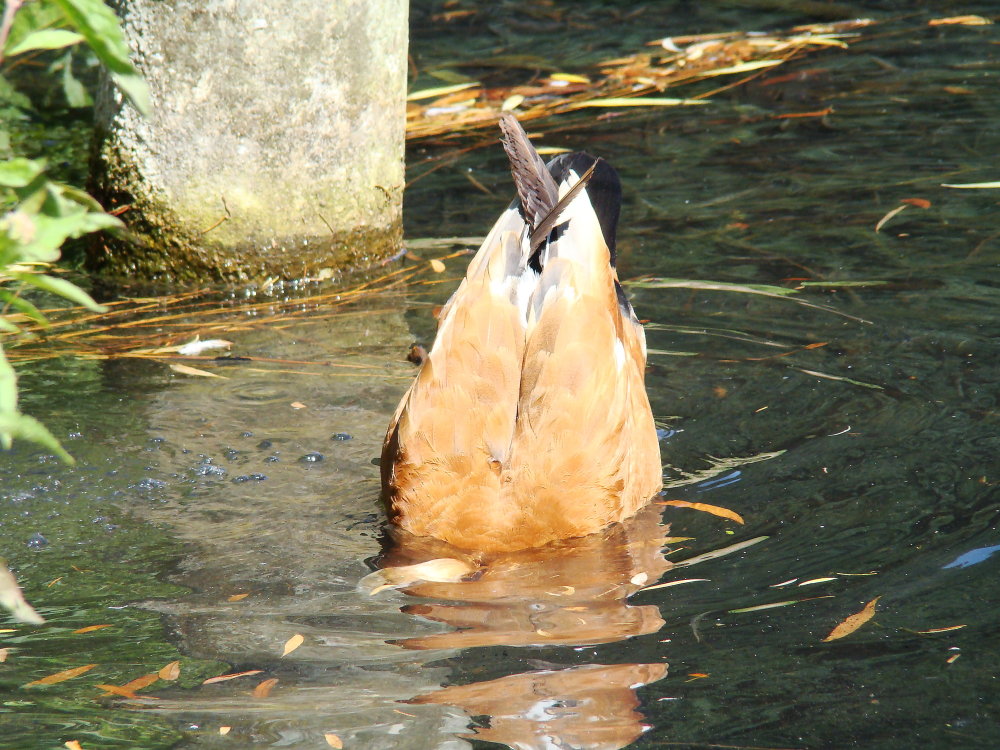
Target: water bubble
{"x": 149, "y": 484}
{"x": 311, "y": 458}
{"x": 250, "y": 478}
{"x": 37, "y": 541}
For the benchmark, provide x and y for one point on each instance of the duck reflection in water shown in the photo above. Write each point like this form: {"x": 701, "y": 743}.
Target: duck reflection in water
{"x": 571, "y": 593}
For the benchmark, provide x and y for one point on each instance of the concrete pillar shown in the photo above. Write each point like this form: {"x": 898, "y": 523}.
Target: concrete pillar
{"x": 275, "y": 144}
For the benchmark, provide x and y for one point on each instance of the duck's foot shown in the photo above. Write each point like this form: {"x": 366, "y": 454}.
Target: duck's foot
{"x": 439, "y": 570}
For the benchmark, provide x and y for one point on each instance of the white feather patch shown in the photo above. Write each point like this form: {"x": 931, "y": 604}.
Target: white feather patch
{"x": 619, "y": 354}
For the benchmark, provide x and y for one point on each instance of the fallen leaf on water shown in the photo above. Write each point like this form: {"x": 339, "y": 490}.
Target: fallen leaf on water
{"x": 66, "y": 674}
{"x": 196, "y": 347}
{"x": 224, "y": 730}
{"x": 118, "y": 690}
{"x": 233, "y": 676}
{"x": 696, "y": 676}
{"x": 439, "y": 91}
{"x": 297, "y": 405}
{"x": 817, "y": 580}
{"x": 438, "y": 570}
{"x": 53, "y": 582}
{"x": 715, "y": 554}
{"x": 72, "y": 745}
{"x": 3, "y": 655}
{"x": 744, "y": 67}
{"x": 569, "y": 78}
{"x": 333, "y": 741}
{"x": 813, "y": 113}
{"x": 772, "y": 605}
{"x": 550, "y": 150}
{"x": 872, "y": 573}
{"x": 451, "y": 15}
{"x": 511, "y": 102}
{"x": 638, "y": 101}
{"x": 939, "y": 630}
{"x": 237, "y": 597}
{"x": 972, "y": 185}
{"x": 715, "y": 510}
{"x": 951, "y": 659}
{"x": 853, "y": 622}
{"x": 918, "y": 202}
{"x": 140, "y": 682}
{"x": 264, "y": 688}
{"x": 437, "y": 265}
{"x": 186, "y": 370}
{"x": 293, "y": 643}
{"x": 884, "y": 220}
{"x": 960, "y": 21}
{"x": 171, "y": 671}
{"x": 92, "y": 628}
{"x": 673, "y": 583}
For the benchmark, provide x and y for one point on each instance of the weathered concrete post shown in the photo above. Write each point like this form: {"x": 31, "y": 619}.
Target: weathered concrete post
{"x": 275, "y": 145}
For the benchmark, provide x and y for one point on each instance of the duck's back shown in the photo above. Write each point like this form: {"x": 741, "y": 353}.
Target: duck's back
{"x": 529, "y": 420}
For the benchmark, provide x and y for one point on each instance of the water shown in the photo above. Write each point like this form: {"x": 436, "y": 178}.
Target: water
{"x": 863, "y": 447}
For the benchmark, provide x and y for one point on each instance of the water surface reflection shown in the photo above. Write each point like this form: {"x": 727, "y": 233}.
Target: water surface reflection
{"x": 566, "y": 594}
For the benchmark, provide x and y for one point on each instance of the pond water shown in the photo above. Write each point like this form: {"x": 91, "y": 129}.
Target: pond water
{"x": 857, "y": 438}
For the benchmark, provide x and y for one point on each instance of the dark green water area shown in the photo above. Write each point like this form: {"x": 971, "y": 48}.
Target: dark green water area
{"x": 858, "y": 433}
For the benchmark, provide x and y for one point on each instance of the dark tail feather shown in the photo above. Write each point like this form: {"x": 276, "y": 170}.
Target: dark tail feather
{"x": 536, "y": 189}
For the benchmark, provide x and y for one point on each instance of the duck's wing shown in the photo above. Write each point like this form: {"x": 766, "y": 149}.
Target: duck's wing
{"x": 453, "y": 428}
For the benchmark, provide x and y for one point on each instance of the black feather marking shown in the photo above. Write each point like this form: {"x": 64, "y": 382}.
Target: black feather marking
{"x": 548, "y": 222}
{"x": 604, "y": 190}
{"x": 536, "y": 188}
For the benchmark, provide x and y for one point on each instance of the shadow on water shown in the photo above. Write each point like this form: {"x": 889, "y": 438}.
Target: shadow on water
{"x": 212, "y": 520}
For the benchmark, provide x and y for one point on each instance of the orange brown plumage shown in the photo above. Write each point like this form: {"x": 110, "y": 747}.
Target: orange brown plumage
{"x": 528, "y": 421}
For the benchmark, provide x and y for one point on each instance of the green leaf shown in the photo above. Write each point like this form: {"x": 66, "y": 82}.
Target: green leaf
{"x": 12, "y": 599}
{"x": 32, "y": 17}
{"x": 100, "y": 27}
{"x": 22, "y": 306}
{"x": 62, "y": 287}
{"x": 7, "y": 327}
{"x": 44, "y": 39}
{"x": 75, "y": 92}
{"x": 16, "y": 173}
{"x": 8, "y": 393}
{"x": 23, "y": 427}
{"x": 84, "y": 198}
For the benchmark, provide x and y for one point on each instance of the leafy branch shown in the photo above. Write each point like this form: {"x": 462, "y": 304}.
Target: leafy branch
{"x": 39, "y": 214}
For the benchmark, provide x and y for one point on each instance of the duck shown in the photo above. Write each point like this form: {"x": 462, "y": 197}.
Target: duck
{"x": 528, "y": 422}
